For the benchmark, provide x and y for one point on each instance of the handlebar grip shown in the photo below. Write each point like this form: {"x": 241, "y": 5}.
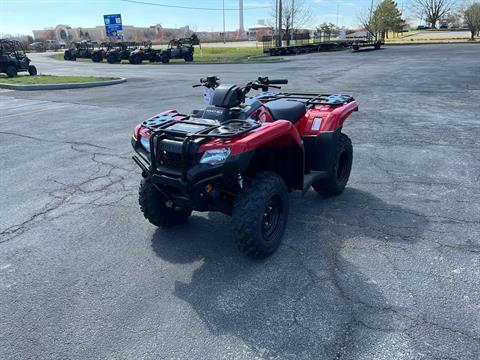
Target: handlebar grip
{"x": 278, "y": 81}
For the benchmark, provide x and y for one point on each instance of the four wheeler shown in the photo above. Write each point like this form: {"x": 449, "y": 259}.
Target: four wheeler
{"x": 100, "y": 53}
{"x": 120, "y": 51}
{"x": 82, "y": 50}
{"x": 242, "y": 156}
{"x": 145, "y": 52}
{"x": 13, "y": 59}
{"x": 179, "y": 49}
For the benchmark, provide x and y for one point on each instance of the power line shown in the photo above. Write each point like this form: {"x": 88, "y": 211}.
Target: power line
{"x": 193, "y": 7}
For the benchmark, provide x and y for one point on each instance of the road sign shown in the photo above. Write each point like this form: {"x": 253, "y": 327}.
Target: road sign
{"x": 113, "y": 25}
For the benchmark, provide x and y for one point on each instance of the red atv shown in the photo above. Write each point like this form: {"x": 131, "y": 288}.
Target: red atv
{"x": 241, "y": 156}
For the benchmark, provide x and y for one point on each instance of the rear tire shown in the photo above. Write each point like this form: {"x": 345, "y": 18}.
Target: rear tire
{"x": 260, "y": 215}
{"x": 97, "y": 57}
{"x": 188, "y": 58}
{"x": 32, "y": 70}
{"x": 154, "y": 208}
{"x": 11, "y": 71}
{"x": 338, "y": 176}
{"x": 165, "y": 58}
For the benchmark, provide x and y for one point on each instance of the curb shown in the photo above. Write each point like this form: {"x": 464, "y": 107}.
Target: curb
{"x": 32, "y": 87}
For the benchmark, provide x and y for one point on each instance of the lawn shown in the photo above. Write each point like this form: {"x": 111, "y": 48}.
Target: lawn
{"x": 209, "y": 55}
{"x": 50, "y": 79}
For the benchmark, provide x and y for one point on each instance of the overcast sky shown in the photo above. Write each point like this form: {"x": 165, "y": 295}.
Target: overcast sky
{"x": 21, "y": 16}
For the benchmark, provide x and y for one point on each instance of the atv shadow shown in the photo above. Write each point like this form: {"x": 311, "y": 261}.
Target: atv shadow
{"x": 308, "y": 300}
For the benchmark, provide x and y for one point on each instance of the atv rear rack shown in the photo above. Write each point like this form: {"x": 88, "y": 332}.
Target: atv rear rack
{"x": 159, "y": 133}
{"x": 310, "y": 100}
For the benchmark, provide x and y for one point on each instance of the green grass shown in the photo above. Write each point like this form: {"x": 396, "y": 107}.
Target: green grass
{"x": 50, "y": 79}
{"x": 211, "y": 55}
{"x": 225, "y": 55}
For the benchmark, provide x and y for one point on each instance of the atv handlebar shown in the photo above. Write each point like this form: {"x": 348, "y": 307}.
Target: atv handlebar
{"x": 209, "y": 82}
{"x": 278, "y": 82}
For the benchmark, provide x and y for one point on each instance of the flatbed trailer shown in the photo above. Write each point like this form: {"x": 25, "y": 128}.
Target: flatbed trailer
{"x": 367, "y": 41}
{"x": 307, "y": 48}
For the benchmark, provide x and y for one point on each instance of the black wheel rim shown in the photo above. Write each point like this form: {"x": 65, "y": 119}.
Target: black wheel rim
{"x": 271, "y": 218}
{"x": 342, "y": 170}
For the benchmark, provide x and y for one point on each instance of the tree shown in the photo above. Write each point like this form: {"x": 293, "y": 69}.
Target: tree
{"x": 432, "y": 10}
{"x": 327, "y": 29}
{"x": 472, "y": 18}
{"x": 385, "y": 17}
{"x": 296, "y": 14}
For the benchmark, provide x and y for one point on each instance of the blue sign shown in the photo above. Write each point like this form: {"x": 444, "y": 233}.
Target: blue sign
{"x": 113, "y": 25}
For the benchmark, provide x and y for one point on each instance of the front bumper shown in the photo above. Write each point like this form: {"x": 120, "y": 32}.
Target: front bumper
{"x": 188, "y": 186}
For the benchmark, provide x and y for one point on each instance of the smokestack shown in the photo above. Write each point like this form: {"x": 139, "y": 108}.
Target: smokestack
{"x": 240, "y": 8}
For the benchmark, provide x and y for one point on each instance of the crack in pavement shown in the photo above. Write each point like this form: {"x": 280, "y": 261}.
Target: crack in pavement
{"x": 71, "y": 194}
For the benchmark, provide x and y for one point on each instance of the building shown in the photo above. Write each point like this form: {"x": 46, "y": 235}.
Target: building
{"x": 155, "y": 33}
{"x": 259, "y": 30}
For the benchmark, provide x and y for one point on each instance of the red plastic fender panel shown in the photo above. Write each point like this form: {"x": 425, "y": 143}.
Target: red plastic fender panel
{"x": 325, "y": 118}
{"x": 277, "y": 133}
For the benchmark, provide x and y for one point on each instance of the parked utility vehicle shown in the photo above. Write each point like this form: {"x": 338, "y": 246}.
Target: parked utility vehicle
{"x": 13, "y": 59}
{"x": 179, "y": 49}
{"x": 241, "y": 156}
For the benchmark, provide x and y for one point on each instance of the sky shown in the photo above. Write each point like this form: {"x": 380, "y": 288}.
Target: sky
{"x": 22, "y": 16}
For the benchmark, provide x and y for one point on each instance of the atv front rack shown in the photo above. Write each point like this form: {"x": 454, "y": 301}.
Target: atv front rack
{"x": 226, "y": 130}
{"x": 310, "y": 100}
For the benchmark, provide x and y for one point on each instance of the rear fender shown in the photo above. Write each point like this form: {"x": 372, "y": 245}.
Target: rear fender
{"x": 325, "y": 118}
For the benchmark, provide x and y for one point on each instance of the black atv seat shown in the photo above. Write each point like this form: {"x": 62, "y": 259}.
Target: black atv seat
{"x": 286, "y": 110}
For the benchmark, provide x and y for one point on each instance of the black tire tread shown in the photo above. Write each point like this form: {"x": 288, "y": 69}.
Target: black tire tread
{"x": 329, "y": 186}
{"x": 152, "y": 205}
{"x": 245, "y": 214}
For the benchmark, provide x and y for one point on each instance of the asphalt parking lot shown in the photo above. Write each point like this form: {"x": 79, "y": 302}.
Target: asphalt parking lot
{"x": 388, "y": 270}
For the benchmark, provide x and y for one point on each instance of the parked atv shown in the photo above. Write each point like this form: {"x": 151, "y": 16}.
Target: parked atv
{"x": 178, "y": 49}
{"x": 79, "y": 50}
{"x": 242, "y": 156}
{"x": 100, "y": 53}
{"x": 13, "y": 59}
{"x": 119, "y": 52}
{"x": 143, "y": 53}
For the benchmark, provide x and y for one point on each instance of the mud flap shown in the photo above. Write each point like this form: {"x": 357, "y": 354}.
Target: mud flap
{"x": 320, "y": 151}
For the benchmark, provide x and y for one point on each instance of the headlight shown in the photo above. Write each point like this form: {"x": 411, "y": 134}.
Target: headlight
{"x": 215, "y": 157}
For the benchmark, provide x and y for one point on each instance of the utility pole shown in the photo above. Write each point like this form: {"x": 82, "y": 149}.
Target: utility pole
{"x": 293, "y": 13}
{"x": 338, "y": 9}
{"x": 224, "y": 22}
{"x": 276, "y": 23}
{"x": 370, "y": 20}
{"x": 279, "y": 23}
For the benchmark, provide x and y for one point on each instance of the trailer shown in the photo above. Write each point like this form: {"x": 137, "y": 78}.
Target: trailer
{"x": 370, "y": 40}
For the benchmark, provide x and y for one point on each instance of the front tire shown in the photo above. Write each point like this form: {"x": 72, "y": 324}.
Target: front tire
{"x": 32, "y": 70}
{"x": 260, "y": 215}
{"x": 154, "y": 207}
{"x": 113, "y": 59}
{"x": 337, "y": 177}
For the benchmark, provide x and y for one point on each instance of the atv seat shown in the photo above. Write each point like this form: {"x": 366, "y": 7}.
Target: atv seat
{"x": 286, "y": 110}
